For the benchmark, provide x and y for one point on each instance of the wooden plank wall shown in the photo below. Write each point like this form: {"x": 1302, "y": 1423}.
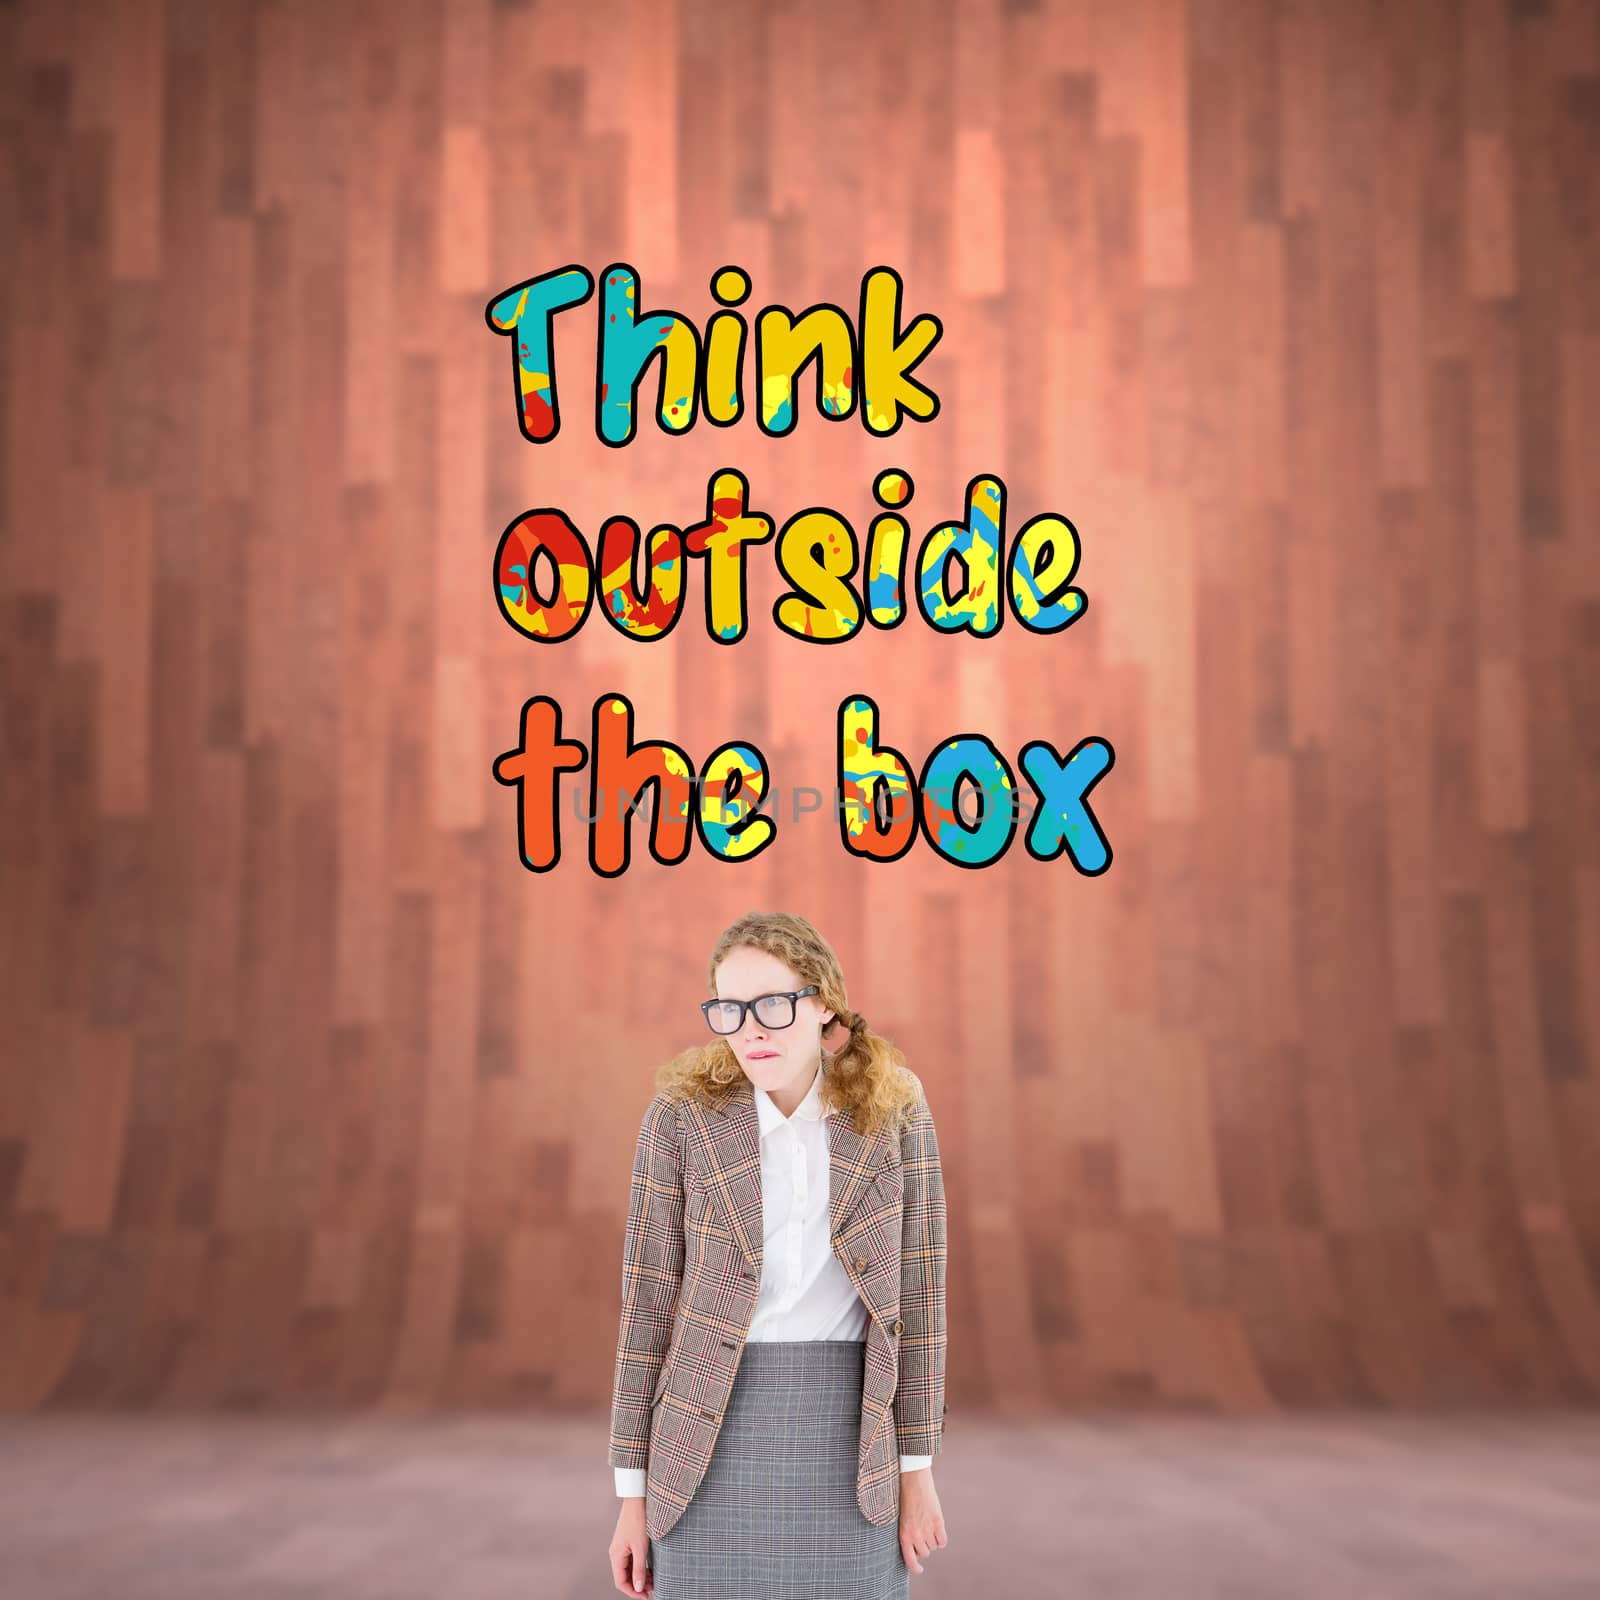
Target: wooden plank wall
{"x": 310, "y": 1093}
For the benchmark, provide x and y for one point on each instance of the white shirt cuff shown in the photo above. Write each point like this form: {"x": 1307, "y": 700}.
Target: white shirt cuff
{"x": 630, "y": 1482}
{"x": 915, "y": 1463}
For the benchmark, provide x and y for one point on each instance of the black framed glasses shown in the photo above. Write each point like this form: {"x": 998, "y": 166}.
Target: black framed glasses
{"x": 772, "y": 1010}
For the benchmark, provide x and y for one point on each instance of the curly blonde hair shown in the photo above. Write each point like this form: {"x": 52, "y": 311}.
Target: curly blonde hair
{"x": 867, "y": 1076}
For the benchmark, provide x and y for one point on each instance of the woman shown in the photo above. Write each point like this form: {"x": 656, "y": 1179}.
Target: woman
{"x": 779, "y": 1388}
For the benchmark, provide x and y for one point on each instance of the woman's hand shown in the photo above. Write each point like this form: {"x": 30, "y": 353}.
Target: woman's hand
{"x": 630, "y": 1550}
{"x": 921, "y": 1520}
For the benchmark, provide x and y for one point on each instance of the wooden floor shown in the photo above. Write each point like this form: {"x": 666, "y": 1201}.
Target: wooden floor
{"x": 1357, "y": 1508}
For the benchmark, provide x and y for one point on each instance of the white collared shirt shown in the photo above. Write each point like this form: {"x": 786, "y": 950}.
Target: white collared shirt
{"x": 805, "y": 1292}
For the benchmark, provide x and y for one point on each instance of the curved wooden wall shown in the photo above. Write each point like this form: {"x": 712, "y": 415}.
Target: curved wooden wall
{"x": 311, "y": 1093}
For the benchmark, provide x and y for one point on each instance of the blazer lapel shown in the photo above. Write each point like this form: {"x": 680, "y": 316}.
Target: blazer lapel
{"x": 730, "y": 1138}
{"x": 729, "y": 1135}
{"x": 854, "y": 1162}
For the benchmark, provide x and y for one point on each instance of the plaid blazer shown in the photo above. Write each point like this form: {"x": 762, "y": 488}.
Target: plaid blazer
{"x": 691, "y": 1270}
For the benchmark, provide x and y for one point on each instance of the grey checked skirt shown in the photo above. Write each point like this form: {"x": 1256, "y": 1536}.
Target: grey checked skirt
{"x": 775, "y": 1517}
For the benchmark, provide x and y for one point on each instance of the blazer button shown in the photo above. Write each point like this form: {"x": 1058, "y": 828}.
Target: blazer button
{"x": 861, "y": 1263}
{"x": 898, "y": 1327}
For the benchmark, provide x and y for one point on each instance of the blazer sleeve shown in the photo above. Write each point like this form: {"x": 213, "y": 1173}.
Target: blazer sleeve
{"x": 652, "y": 1269}
{"x": 919, "y": 1396}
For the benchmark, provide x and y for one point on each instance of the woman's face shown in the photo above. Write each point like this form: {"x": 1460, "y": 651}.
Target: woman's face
{"x": 772, "y": 1058}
